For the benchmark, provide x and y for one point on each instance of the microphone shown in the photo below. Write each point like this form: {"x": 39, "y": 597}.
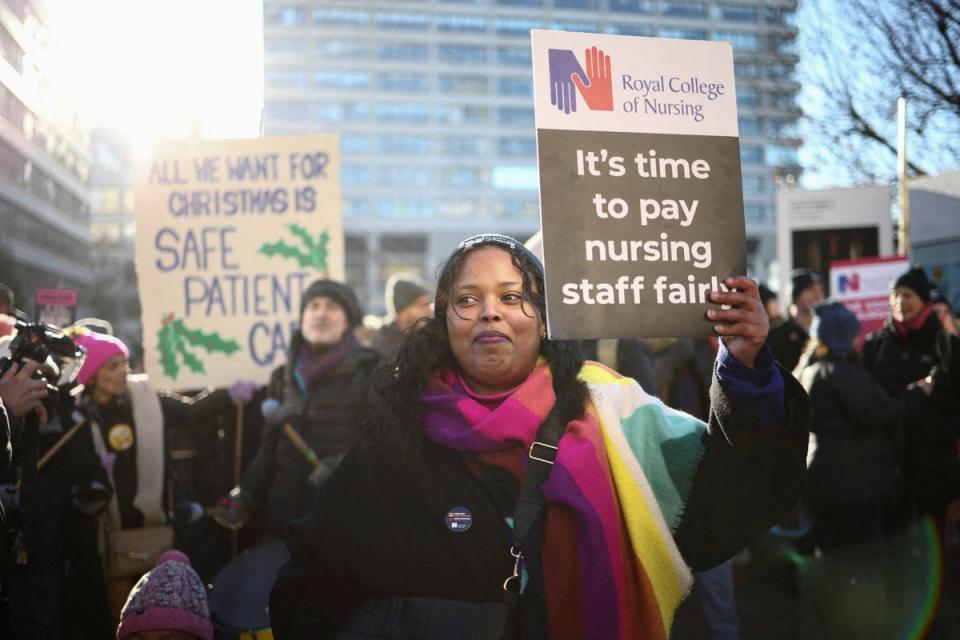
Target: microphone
{"x": 273, "y": 412}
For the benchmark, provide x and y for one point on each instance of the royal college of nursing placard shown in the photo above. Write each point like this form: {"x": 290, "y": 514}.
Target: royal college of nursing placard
{"x": 641, "y": 204}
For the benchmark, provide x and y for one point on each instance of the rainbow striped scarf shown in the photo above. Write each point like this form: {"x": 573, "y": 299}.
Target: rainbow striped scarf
{"x": 616, "y": 494}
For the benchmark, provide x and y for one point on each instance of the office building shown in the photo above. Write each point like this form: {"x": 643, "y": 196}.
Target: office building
{"x": 44, "y": 166}
{"x": 433, "y": 103}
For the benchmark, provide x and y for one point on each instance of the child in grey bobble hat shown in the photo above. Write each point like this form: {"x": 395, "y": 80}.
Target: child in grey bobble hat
{"x": 169, "y": 599}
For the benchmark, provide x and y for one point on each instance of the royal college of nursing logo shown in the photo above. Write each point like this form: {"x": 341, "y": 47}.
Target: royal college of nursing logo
{"x": 567, "y": 78}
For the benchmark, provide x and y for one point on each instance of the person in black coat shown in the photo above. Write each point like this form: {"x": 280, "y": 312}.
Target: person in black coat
{"x": 855, "y": 478}
{"x": 411, "y": 536}
{"x": 789, "y": 335}
{"x": 321, "y": 392}
{"x": 910, "y": 346}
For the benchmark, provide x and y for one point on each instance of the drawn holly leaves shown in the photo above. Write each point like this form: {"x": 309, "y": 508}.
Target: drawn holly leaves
{"x": 176, "y": 342}
{"x": 311, "y": 252}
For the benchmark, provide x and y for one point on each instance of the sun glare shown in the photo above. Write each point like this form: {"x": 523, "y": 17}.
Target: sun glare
{"x": 161, "y": 69}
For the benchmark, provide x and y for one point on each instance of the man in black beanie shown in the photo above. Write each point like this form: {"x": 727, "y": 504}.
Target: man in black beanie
{"x": 788, "y": 335}
{"x": 320, "y": 393}
{"x": 408, "y": 300}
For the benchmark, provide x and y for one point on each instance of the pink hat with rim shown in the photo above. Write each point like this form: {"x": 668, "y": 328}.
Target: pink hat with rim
{"x": 100, "y": 348}
{"x": 169, "y": 597}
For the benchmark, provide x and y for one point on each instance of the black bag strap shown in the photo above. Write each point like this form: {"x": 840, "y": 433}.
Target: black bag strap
{"x": 528, "y": 512}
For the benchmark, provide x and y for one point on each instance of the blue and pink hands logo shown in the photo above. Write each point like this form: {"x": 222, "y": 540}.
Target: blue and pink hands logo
{"x": 595, "y": 85}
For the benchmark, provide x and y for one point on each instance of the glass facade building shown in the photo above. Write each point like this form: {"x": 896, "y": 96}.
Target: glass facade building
{"x": 433, "y": 102}
{"x": 44, "y": 165}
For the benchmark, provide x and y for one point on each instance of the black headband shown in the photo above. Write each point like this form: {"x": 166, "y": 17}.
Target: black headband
{"x": 499, "y": 240}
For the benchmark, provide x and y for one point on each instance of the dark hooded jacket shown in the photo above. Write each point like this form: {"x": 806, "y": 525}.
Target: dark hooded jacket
{"x": 929, "y": 433}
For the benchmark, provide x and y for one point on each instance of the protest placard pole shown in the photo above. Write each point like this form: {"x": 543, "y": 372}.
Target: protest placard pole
{"x": 237, "y": 467}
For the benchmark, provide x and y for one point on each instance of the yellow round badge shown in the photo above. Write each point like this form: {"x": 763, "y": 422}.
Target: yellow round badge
{"x": 120, "y": 437}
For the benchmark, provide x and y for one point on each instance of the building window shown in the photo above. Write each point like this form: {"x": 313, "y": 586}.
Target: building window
{"x": 754, "y": 184}
{"x": 404, "y": 176}
{"x": 462, "y": 85}
{"x": 293, "y": 16}
{"x": 405, "y": 145}
{"x": 782, "y": 101}
{"x": 342, "y": 49}
{"x": 461, "y": 54}
{"x": 355, "y": 175}
{"x": 11, "y": 50}
{"x": 779, "y": 71}
{"x": 354, "y": 143}
{"x": 405, "y": 208}
{"x": 405, "y": 52}
{"x": 632, "y": 6}
{"x": 514, "y": 55}
{"x": 740, "y": 41}
{"x": 462, "y": 114}
{"x": 751, "y": 153}
{"x": 576, "y": 4}
{"x": 403, "y": 82}
{"x": 631, "y": 30}
{"x": 403, "y": 112}
{"x": 738, "y": 12}
{"x": 462, "y": 177}
{"x": 582, "y": 27}
{"x": 683, "y": 9}
{"x": 747, "y": 97}
{"x": 516, "y": 177}
{"x": 341, "y": 80}
{"x": 286, "y": 77}
{"x": 396, "y": 20}
{"x": 517, "y": 27}
{"x": 515, "y": 116}
{"x": 749, "y": 126}
{"x": 745, "y": 70}
{"x": 517, "y": 147}
{"x": 781, "y": 155}
{"x": 341, "y": 17}
{"x": 684, "y": 34}
{"x": 514, "y": 86}
{"x": 461, "y": 24}
{"x": 461, "y": 146}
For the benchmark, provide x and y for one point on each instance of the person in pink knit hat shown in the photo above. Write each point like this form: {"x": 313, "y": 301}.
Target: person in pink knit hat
{"x": 133, "y": 426}
{"x": 168, "y": 603}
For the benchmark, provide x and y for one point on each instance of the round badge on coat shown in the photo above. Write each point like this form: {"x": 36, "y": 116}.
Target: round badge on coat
{"x": 459, "y": 519}
{"x": 120, "y": 437}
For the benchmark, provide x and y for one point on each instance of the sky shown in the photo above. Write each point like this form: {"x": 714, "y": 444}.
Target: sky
{"x": 161, "y": 69}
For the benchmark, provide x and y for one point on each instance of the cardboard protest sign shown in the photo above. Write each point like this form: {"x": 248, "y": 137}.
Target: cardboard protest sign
{"x": 641, "y": 204}
{"x": 55, "y": 306}
{"x": 229, "y": 233}
{"x": 863, "y": 286}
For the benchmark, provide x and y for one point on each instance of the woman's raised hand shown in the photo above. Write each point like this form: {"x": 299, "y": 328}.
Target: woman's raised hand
{"x": 744, "y": 326}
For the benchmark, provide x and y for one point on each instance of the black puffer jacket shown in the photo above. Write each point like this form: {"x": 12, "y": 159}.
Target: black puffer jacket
{"x": 857, "y": 427}
{"x": 327, "y": 417}
{"x": 930, "y": 433}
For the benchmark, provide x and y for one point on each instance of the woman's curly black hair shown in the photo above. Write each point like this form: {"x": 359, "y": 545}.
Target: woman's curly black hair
{"x": 395, "y": 409}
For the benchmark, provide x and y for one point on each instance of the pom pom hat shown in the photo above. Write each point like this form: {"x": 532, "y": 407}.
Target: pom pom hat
{"x": 169, "y": 597}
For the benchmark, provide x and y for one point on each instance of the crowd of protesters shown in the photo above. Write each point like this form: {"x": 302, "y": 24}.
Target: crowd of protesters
{"x": 383, "y": 468}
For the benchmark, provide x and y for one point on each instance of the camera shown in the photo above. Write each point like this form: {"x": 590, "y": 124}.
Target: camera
{"x": 59, "y": 357}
